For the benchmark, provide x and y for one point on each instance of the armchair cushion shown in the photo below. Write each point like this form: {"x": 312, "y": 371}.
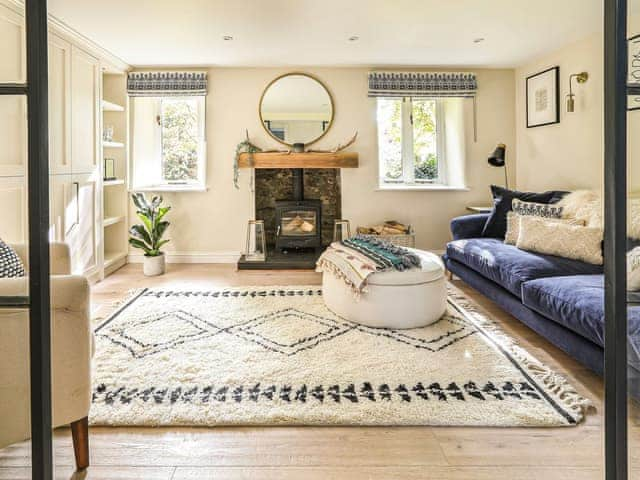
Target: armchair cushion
{"x": 60, "y": 257}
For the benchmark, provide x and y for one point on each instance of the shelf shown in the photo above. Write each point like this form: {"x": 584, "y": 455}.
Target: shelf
{"x": 111, "y": 107}
{"x": 298, "y": 160}
{"x": 113, "y": 144}
{"x": 112, "y": 257}
{"x": 110, "y": 183}
{"x": 112, "y": 220}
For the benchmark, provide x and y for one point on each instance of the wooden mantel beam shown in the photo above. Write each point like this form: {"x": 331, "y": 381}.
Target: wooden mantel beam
{"x": 298, "y": 160}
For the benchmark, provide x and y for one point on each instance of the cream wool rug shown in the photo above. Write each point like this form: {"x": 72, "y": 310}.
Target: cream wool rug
{"x": 278, "y": 356}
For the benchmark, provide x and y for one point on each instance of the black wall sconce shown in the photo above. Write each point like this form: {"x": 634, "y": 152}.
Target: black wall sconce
{"x": 581, "y": 77}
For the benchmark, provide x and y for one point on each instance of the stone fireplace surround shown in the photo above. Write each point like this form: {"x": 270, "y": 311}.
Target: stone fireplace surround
{"x": 273, "y": 184}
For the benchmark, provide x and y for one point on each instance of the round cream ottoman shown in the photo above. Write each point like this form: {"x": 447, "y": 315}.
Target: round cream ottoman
{"x": 392, "y": 299}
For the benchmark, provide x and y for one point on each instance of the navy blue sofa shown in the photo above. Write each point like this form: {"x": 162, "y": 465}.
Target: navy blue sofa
{"x": 559, "y": 298}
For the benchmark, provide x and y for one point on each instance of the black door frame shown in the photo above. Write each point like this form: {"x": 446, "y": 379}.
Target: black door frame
{"x": 36, "y": 91}
{"x": 615, "y": 238}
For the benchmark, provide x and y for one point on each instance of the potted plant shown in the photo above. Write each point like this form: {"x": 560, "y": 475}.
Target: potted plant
{"x": 148, "y": 235}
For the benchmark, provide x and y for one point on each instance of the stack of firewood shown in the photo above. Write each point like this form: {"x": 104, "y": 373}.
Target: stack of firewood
{"x": 390, "y": 227}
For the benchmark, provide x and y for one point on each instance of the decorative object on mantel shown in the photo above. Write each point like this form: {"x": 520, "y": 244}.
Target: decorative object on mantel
{"x": 248, "y": 148}
{"x": 256, "y": 249}
{"x": 633, "y": 81}
{"x": 391, "y": 231}
{"x": 581, "y": 77}
{"x": 337, "y": 149}
{"x": 341, "y": 230}
{"x": 148, "y": 235}
{"x": 498, "y": 159}
{"x": 248, "y": 155}
{"x": 426, "y": 84}
{"x": 543, "y": 98}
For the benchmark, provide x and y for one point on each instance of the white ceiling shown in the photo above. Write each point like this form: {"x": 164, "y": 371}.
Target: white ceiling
{"x": 315, "y": 32}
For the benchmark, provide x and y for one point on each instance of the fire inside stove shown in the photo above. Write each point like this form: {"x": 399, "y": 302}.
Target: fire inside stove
{"x": 298, "y": 222}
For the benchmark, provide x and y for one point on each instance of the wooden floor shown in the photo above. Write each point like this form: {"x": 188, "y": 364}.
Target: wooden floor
{"x": 333, "y": 452}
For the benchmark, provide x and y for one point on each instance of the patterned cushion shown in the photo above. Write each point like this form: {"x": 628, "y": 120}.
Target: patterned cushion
{"x": 568, "y": 241}
{"x": 536, "y": 209}
{"x": 513, "y": 225}
{"x": 633, "y": 269}
{"x": 496, "y": 225}
{"x": 10, "y": 264}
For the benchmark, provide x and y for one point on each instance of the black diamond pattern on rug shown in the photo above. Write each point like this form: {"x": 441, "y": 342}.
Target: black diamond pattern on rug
{"x": 271, "y": 331}
{"x": 158, "y": 333}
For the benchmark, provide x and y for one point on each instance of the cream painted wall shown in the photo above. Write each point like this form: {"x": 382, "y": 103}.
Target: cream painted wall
{"x": 567, "y": 155}
{"x": 570, "y": 155}
{"x": 215, "y": 221}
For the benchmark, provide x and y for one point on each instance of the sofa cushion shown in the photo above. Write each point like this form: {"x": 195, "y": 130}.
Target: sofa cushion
{"x": 509, "y": 266}
{"x": 576, "y": 302}
{"x": 496, "y": 225}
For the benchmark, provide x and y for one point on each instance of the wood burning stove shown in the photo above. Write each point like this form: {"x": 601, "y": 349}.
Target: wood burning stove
{"x": 298, "y": 221}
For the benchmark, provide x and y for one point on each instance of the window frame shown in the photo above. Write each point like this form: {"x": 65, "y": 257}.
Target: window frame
{"x": 154, "y": 160}
{"x": 408, "y": 180}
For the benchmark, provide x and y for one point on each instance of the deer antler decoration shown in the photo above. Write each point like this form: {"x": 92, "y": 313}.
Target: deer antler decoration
{"x": 338, "y": 148}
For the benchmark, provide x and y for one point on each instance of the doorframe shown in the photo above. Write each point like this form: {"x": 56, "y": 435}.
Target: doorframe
{"x": 38, "y": 300}
{"x": 615, "y": 239}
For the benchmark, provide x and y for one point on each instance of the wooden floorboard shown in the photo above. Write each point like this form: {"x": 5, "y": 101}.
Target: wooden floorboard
{"x": 442, "y": 453}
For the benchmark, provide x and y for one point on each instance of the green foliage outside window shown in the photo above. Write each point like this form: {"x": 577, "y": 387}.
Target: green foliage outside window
{"x": 425, "y": 160}
{"x": 180, "y": 140}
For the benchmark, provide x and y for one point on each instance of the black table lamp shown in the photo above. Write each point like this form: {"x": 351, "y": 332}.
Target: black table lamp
{"x": 497, "y": 159}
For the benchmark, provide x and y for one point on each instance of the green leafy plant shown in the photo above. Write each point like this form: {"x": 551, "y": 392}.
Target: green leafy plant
{"x": 148, "y": 235}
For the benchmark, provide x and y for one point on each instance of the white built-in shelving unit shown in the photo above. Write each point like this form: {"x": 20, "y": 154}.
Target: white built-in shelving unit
{"x": 115, "y": 196}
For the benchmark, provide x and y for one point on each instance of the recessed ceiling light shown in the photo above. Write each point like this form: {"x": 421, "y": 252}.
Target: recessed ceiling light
{"x": 354, "y": 38}
{"x": 227, "y": 38}
{"x": 478, "y": 40}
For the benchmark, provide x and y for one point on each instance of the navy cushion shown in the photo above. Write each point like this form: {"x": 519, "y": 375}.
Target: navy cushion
{"x": 509, "y": 266}
{"x": 576, "y": 302}
{"x": 496, "y": 225}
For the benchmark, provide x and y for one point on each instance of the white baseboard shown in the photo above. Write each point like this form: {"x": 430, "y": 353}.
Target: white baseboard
{"x": 193, "y": 257}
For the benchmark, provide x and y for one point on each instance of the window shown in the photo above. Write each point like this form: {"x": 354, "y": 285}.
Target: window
{"x": 411, "y": 142}
{"x": 169, "y": 143}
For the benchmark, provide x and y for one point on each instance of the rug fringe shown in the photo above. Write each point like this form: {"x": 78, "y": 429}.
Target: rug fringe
{"x": 558, "y": 385}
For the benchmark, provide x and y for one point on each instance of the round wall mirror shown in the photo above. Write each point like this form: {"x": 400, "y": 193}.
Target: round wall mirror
{"x": 296, "y": 108}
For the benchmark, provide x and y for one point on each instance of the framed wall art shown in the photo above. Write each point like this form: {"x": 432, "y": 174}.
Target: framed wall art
{"x": 543, "y": 98}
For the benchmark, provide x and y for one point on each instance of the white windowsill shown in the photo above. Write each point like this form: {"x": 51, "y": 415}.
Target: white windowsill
{"x": 422, "y": 188}
{"x": 171, "y": 188}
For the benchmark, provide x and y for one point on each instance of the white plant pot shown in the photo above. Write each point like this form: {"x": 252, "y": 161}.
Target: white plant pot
{"x": 153, "y": 266}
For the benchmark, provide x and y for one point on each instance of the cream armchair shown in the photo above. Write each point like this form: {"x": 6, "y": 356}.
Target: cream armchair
{"x": 70, "y": 359}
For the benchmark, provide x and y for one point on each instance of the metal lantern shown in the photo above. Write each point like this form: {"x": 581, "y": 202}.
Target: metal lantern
{"x": 341, "y": 230}
{"x": 256, "y": 250}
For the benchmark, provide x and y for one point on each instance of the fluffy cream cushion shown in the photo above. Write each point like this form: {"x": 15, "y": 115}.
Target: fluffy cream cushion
{"x": 633, "y": 269}
{"x": 586, "y": 205}
{"x": 513, "y": 225}
{"x": 560, "y": 239}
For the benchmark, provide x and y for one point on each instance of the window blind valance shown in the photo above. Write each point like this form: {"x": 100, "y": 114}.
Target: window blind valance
{"x": 422, "y": 84}
{"x": 157, "y": 84}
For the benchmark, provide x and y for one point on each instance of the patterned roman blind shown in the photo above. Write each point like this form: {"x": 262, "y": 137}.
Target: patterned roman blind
{"x": 422, "y": 84}
{"x": 159, "y": 84}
